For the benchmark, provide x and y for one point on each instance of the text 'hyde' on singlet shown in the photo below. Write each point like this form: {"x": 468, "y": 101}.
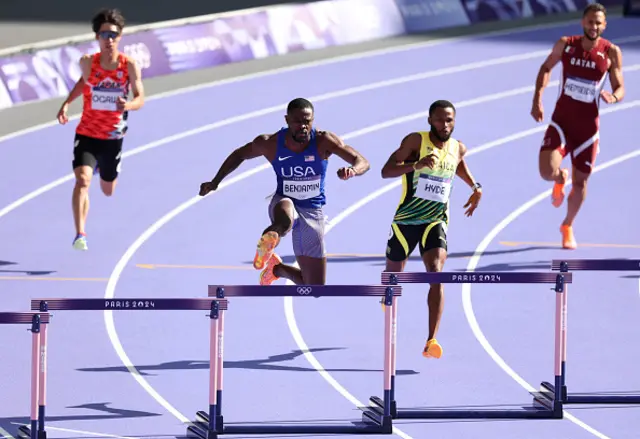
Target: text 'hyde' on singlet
{"x": 300, "y": 175}
{"x": 101, "y": 118}
{"x": 583, "y": 77}
{"x": 426, "y": 192}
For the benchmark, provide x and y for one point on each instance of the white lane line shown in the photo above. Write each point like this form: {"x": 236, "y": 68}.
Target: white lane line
{"x": 474, "y": 261}
{"x": 355, "y": 56}
{"x": 310, "y": 64}
{"x": 288, "y": 301}
{"x": 229, "y": 121}
{"x": 5, "y": 433}
{"x": 126, "y": 257}
{"x": 403, "y": 119}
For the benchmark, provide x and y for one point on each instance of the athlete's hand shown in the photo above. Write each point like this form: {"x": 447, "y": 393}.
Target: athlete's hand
{"x": 473, "y": 202}
{"x": 346, "y": 173}
{"x": 62, "y": 114}
{"x": 427, "y": 161}
{"x": 207, "y": 187}
{"x": 537, "y": 111}
{"x": 607, "y": 97}
{"x": 121, "y": 104}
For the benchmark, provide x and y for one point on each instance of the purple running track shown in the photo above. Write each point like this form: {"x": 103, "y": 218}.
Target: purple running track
{"x": 267, "y": 378}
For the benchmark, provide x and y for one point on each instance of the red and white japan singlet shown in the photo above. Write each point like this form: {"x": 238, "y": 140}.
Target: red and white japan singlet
{"x": 101, "y": 118}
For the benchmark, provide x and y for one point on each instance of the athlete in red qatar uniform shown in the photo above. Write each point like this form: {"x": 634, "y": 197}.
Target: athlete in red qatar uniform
{"x": 586, "y": 60}
{"x": 107, "y": 78}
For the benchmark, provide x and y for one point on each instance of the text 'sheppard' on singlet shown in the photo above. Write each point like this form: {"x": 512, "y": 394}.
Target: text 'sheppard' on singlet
{"x": 101, "y": 119}
{"x": 300, "y": 176}
{"x": 426, "y": 192}
{"x": 583, "y": 76}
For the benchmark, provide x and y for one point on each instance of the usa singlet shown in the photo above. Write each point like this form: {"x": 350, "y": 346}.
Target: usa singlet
{"x": 425, "y": 192}
{"x": 101, "y": 118}
{"x": 583, "y": 77}
{"x": 300, "y": 176}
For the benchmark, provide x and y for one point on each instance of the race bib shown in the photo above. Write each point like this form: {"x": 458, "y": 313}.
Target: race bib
{"x": 301, "y": 189}
{"x": 433, "y": 188}
{"x": 580, "y": 89}
{"x": 105, "y": 100}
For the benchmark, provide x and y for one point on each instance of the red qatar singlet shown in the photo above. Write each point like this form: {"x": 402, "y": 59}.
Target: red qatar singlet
{"x": 101, "y": 118}
{"x": 583, "y": 76}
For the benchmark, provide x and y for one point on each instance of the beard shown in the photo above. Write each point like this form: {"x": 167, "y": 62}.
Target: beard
{"x": 589, "y": 37}
{"x": 301, "y": 136}
{"x": 441, "y": 137}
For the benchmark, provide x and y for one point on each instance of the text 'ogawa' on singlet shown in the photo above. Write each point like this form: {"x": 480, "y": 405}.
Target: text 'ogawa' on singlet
{"x": 101, "y": 118}
{"x": 583, "y": 76}
{"x": 301, "y": 175}
{"x": 426, "y": 192}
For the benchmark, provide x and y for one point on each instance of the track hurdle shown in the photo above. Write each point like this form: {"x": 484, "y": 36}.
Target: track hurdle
{"x": 124, "y": 304}
{"x": 208, "y": 425}
{"x": 564, "y": 265}
{"x": 39, "y": 322}
{"x": 545, "y": 405}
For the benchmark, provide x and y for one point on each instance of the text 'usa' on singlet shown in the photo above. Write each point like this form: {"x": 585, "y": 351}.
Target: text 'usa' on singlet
{"x": 300, "y": 175}
{"x": 426, "y": 192}
{"x": 101, "y": 118}
{"x": 583, "y": 77}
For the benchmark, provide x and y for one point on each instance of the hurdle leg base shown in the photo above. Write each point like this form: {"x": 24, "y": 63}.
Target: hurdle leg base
{"x": 24, "y": 432}
{"x": 543, "y": 408}
{"x": 378, "y": 402}
{"x": 585, "y": 398}
{"x": 371, "y": 424}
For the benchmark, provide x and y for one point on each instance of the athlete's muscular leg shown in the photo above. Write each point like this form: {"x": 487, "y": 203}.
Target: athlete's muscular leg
{"x": 282, "y": 214}
{"x": 549, "y": 162}
{"x": 576, "y": 196}
{"x": 80, "y": 196}
{"x": 434, "y": 260}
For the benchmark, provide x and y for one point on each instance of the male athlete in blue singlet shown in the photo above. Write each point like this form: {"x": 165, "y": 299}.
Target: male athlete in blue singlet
{"x": 299, "y": 155}
{"x": 428, "y": 163}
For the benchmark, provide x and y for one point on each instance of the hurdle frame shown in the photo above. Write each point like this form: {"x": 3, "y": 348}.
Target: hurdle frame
{"x": 92, "y": 304}
{"x": 546, "y": 405}
{"x": 374, "y": 420}
{"x": 39, "y": 322}
{"x": 563, "y": 266}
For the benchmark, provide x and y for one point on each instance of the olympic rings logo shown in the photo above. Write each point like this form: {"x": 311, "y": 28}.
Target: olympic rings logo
{"x": 303, "y": 291}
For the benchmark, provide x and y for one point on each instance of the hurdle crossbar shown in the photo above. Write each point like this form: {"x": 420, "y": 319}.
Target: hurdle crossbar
{"x": 93, "y": 304}
{"x": 546, "y": 405}
{"x": 210, "y": 424}
{"x": 564, "y": 265}
{"x": 39, "y": 322}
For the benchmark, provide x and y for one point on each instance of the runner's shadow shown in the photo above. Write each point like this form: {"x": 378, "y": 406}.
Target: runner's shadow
{"x": 259, "y": 364}
{"x": 11, "y": 425}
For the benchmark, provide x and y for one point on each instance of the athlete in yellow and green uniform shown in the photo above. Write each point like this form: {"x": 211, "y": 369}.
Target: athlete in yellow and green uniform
{"x": 428, "y": 163}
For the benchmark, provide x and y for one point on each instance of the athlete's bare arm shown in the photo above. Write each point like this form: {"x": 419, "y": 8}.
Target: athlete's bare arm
{"x": 76, "y": 91}
{"x": 331, "y": 143}
{"x": 408, "y": 151}
{"x": 263, "y": 145}
{"x": 615, "y": 77}
{"x": 135, "y": 76}
{"x": 464, "y": 173}
{"x": 537, "y": 112}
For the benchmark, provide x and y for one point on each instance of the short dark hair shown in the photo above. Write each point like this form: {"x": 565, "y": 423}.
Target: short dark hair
{"x": 299, "y": 104}
{"x": 441, "y": 104}
{"x": 594, "y": 7}
{"x": 111, "y": 16}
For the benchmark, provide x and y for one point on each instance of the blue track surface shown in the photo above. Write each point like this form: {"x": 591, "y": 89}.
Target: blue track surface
{"x": 212, "y": 240}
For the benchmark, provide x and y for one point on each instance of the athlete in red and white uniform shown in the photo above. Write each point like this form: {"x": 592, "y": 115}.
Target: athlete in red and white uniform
{"x": 107, "y": 78}
{"x": 586, "y": 60}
